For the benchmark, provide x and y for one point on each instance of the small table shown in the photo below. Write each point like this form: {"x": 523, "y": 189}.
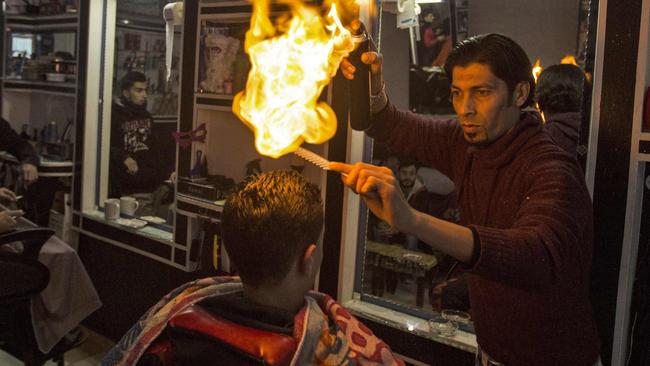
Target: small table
{"x": 394, "y": 258}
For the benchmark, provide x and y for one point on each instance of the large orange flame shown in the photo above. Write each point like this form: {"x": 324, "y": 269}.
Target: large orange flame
{"x": 291, "y": 63}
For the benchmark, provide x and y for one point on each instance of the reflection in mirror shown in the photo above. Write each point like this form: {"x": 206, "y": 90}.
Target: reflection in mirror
{"x": 399, "y": 271}
{"x": 143, "y": 114}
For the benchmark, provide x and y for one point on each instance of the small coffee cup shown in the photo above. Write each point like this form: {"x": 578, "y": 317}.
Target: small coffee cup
{"x": 128, "y": 205}
{"x": 112, "y": 209}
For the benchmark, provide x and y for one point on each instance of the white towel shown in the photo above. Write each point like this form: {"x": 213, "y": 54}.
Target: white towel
{"x": 67, "y": 300}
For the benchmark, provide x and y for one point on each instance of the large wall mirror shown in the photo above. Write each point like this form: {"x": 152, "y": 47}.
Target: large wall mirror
{"x": 397, "y": 270}
{"x": 139, "y": 116}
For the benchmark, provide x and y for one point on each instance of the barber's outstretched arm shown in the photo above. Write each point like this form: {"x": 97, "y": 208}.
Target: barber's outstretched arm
{"x": 381, "y": 192}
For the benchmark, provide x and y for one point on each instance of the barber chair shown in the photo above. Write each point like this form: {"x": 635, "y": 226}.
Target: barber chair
{"x": 198, "y": 337}
{"x": 23, "y": 276}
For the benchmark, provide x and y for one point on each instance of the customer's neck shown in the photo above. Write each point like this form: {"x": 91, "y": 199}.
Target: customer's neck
{"x": 280, "y": 296}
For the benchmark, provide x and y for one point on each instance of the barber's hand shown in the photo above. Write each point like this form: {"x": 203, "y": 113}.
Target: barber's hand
{"x": 7, "y": 195}
{"x": 172, "y": 177}
{"x": 30, "y": 173}
{"x": 381, "y": 192}
{"x": 131, "y": 165}
{"x": 374, "y": 59}
{"x": 7, "y": 222}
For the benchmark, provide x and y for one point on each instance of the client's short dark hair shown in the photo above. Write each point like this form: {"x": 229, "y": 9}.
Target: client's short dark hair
{"x": 506, "y": 59}
{"x": 559, "y": 89}
{"x": 131, "y": 78}
{"x": 269, "y": 222}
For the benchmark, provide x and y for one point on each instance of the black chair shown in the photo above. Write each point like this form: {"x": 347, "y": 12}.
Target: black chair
{"x": 23, "y": 276}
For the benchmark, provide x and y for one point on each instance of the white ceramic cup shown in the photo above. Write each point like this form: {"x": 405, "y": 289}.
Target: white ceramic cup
{"x": 128, "y": 205}
{"x": 112, "y": 209}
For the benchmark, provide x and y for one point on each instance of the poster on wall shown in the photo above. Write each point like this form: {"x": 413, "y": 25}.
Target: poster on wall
{"x": 223, "y": 65}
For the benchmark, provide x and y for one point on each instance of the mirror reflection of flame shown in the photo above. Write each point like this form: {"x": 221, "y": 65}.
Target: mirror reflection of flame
{"x": 291, "y": 63}
{"x": 569, "y": 59}
{"x": 537, "y": 69}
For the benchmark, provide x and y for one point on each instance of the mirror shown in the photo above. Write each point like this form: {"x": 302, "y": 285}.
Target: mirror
{"x": 398, "y": 271}
{"x": 38, "y": 92}
{"x": 139, "y": 153}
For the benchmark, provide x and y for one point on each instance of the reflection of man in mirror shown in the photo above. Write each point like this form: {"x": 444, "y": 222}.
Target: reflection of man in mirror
{"x": 436, "y": 41}
{"x": 220, "y": 52}
{"x": 429, "y": 191}
{"x": 135, "y": 157}
{"x": 559, "y": 97}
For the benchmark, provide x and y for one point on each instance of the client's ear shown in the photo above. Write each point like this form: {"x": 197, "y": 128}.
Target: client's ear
{"x": 307, "y": 261}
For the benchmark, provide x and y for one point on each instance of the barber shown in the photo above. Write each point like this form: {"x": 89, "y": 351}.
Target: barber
{"x": 11, "y": 142}
{"x": 526, "y": 219}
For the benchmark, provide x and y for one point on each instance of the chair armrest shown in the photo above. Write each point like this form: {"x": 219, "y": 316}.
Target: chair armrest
{"x": 32, "y": 239}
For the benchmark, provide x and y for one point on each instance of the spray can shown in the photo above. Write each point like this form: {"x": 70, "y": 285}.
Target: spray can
{"x": 359, "y": 88}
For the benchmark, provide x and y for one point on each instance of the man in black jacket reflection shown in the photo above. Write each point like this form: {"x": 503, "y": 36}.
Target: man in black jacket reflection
{"x": 134, "y": 155}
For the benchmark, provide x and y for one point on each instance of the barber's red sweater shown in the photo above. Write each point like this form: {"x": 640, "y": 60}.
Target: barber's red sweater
{"x": 527, "y": 200}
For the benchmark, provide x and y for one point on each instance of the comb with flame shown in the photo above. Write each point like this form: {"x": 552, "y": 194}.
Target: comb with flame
{"x": 314, "y": 158}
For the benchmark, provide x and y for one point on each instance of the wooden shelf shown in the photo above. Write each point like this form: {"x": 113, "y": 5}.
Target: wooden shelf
{"x": 62, "y": 88}
{"x": 67, "y": 21}
{"x": 220, "y": 102}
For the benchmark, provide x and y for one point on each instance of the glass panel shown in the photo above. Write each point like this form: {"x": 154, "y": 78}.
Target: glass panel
{"x": 141, "y": 151}
{"x": 398, "y": 270}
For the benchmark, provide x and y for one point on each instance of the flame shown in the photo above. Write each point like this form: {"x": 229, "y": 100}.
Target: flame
{"x": 569, "y": 59}
{"x": 291, "y": 63}
{"x": 537, "y": 69}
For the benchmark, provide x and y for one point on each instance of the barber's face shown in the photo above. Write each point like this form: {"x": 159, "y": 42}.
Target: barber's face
{"x": 486, "y": 111}
{"x": 137, "y": 93}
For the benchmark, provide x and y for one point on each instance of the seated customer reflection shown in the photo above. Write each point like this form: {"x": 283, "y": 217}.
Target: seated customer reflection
{"x": 427, "y": 190}
{"x": 271, "y": 230}
{"x": 136, "y": 166}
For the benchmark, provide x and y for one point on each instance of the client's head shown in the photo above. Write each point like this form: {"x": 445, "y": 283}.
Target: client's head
{"x": 271, "y": 228}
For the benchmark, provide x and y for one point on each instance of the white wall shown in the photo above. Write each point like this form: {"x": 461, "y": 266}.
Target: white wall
{"x": 545, "y": 29}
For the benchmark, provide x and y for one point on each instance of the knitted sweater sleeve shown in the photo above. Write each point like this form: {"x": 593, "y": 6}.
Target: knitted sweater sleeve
{"x": 422, "y": 137}
{"x": 551, "y": 237}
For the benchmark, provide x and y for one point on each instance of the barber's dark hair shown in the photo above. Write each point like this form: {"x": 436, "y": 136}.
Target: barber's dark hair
{"x": 559, "y": 89}
{"x": 131, "y": 78}
{"x": 269, "y": 223}
{"x": 506, "y": 59}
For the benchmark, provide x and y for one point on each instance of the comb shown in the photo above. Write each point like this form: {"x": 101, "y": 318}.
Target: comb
{"x": 314, "y": 158}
